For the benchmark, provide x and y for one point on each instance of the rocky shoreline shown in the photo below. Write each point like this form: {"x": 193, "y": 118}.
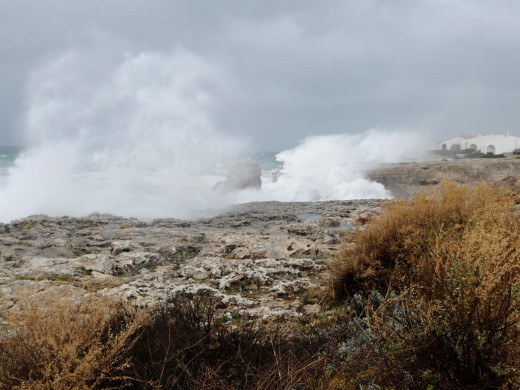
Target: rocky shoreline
{"x": 406, "y": 179}
{"x": 259, "y": 258}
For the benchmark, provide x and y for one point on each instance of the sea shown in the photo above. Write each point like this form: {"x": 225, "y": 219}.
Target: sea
{"x": 159, "y": 179}
{"x": 142, "y": 135}
{"x": 8, "y": 155}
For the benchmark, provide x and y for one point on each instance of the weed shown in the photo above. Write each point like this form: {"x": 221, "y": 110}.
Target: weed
{"x": 38, "y": 278}
{"x": 82, "y": 271}
{"x": 27, "y": 227}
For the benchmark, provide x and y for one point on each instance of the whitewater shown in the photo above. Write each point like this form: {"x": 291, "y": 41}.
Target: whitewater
{"x": 135, "y": 136}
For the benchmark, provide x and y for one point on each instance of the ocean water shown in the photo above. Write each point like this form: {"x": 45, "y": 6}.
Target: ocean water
{"x": 136, "y": 136}
{"x": 61, "y": 179}
{"x": 8, "y": 155}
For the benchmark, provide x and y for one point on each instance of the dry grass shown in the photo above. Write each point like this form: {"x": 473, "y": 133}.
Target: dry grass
{"x": 453, "y": 259}
{"x": 61, "y": 345}
{"x": 390, "y": 253}
{"x": 181, "y": 344}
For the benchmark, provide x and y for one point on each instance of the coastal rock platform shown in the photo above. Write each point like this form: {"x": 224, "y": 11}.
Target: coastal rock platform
{"x": 263, "y": 259}
{"x": 257, "y": 258}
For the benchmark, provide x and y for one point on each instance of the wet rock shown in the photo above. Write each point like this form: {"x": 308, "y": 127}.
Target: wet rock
{"x": 241, "y": 176}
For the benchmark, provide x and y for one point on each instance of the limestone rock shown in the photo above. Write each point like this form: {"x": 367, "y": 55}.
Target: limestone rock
{"x": 118, "y": 247}
{"x": 241, "y": 176}
{"x": 256, "y": 258}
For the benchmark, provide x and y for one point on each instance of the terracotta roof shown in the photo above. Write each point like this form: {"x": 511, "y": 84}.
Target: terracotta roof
{"x": 467, "y": 136}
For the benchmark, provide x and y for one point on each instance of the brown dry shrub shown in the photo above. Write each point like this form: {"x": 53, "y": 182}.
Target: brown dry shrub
{"x": 453, "y": 259}
{"x": 390, "y": 251}
{"x": 182, "y": 343}
{"x": 186, "y": 345}
{"x": 66, "y": 344}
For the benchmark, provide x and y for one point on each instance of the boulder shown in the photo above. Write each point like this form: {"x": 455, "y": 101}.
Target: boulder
{"x": 240, "y": 177}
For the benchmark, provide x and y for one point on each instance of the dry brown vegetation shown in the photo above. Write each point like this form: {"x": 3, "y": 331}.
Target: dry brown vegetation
{"x": 62, "y": 345}
{"x": 427, "y": 297}
{"x": 451, "y": 261}
{"x": 180, "y": 344}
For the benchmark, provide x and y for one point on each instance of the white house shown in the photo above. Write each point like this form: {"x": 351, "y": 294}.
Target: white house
{"x": 495, "y": 143}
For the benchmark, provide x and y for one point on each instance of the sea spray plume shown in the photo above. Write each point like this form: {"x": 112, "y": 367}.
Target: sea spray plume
{"x": 332, "y": 166}
{"x": 126, "y": 134}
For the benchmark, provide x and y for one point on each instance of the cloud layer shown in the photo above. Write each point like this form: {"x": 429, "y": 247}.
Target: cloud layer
{"x": 299, "y": 68}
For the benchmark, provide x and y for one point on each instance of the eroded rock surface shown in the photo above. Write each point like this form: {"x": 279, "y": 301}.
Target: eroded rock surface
{"x": 259, "y": 258}
{"x": 406, "y": 179}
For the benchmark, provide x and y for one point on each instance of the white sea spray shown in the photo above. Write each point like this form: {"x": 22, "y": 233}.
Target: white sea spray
{"x": 134, "y": 135}
{"x": 333, "y": 167}
{"x": 131, "y": 135}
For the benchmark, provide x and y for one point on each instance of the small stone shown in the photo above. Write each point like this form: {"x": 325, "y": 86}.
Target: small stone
{"x": 118, "y": 247}
{"x": 329, "y": 222}
{"x": 240, "y": 253}
{"x": 312, "y": 309}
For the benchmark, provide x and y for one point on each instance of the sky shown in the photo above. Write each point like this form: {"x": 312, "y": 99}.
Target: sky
{"x": 297, "y": 68}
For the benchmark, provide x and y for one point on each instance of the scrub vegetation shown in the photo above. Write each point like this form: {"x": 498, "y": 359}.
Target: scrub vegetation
{"x": 449, "y": 263}
{"x": 426, "y": 296}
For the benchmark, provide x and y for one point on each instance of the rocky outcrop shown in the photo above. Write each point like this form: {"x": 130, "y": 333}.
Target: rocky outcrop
{"x": 259, "y": 258}
{"x": 406, "y": 179}
{"x": 241, "y": 176}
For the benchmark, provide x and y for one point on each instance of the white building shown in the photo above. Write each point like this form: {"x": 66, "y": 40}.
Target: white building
{"x": 496, "y": 143}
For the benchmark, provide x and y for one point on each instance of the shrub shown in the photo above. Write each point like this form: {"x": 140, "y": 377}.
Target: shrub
{"x": 186, "y": 345}
{"x": 390, "y": 252}
{"x": 65, "y": 344}
{"x": 453, "y": 259}
{"x": 98, "y": 343}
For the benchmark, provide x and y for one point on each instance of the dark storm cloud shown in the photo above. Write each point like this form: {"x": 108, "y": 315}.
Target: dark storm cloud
{"x": 302, "y": 67}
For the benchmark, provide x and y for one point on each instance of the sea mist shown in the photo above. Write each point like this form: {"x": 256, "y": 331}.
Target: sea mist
{"x": 130, "y": 135}
{"x": 134, "y": 135}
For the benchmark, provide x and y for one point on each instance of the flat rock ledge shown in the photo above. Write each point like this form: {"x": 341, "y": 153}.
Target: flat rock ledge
{"x": 259, "y": 259}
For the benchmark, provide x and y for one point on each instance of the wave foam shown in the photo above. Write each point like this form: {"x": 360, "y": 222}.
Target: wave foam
{"x": 128, "y": 135}
{"x": 133, "y": 136}
{"x": 332, "y": 167}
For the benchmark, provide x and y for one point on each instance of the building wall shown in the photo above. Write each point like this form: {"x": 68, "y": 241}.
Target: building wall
{"x": 484, "y": 143}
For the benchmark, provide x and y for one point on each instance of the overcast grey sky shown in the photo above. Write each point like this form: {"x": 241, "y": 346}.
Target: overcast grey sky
{"x": 302, "y": 67}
